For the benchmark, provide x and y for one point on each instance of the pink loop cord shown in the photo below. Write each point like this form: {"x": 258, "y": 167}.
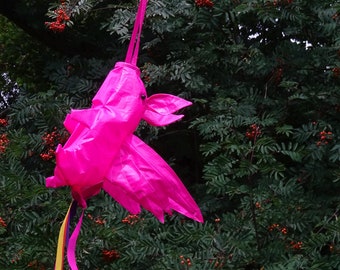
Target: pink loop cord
{"x": 132, "y": 53}
{"x": 71, "y": 248}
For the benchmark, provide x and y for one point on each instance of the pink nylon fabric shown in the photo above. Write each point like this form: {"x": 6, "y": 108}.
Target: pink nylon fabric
{"x": 141, "y": 177}
{"x": 71, "y": 248}
{"x": 102, "y": 152}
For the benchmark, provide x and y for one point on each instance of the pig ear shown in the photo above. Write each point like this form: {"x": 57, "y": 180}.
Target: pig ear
{"x": 159, "y": 109}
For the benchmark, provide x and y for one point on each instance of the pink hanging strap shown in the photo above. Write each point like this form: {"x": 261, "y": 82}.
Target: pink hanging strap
{"x": 132, "y": 53}
{"x": 71, "y": 248}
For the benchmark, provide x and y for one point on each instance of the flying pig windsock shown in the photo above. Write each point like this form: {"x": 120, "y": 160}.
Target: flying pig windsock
{"x": 102, "y": 151}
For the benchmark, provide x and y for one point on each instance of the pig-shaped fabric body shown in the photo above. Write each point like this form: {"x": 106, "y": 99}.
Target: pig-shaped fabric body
{"x": 103, "y": 153}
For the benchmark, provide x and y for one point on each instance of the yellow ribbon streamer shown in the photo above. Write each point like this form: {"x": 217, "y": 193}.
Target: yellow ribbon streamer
{"x": 59, "y": 263}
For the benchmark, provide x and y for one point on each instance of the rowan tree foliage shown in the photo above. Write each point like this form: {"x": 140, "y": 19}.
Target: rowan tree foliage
{"x": 259, "y": 149}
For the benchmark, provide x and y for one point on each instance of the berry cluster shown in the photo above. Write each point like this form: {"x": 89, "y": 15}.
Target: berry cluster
{"x": 61, "y": 18}
{"x": 36, "y": 265}
{"x": 97, "y": 220}
{"x": 3, "y": 122}
{"x": 4, "y": 141}
{"x": 48, "y": 155}
{"x": 219, "y": 261}
{"x": 325, "y": 138}
{"x": 281, "y": 2}
{"x": 278, "y": 75}
{"x": 51, "y": 140}
{"x": 110, "y": 255}
{"x": 329, "y": 247}
{"x": 253, "y": 132}
{"x": 2, "y": 223}
{"x": 337, "y": 107}
{"x": 185, "y": 261}
{"x": 296, "y": 245}
{"x": 204, "y": 3}
{"x": 277, "y": 227}
{"x": 131, "y": 219}
{"x": 146, "y": 74}
{"x": 17, "y": 256}
{"x": 336, "y": 71}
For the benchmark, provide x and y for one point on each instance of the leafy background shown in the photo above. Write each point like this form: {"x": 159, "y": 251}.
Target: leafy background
{"x": 259, "y": 149}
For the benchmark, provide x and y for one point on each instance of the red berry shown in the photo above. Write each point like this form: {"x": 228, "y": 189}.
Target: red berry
{"x": 204, "y": 3}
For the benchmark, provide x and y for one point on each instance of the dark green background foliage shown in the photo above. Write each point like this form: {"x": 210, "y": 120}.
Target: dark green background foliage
{"x": 270, "y": 198}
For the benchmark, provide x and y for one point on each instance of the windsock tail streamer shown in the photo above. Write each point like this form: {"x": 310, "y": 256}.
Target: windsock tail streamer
{"x": 65, "y": 241}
